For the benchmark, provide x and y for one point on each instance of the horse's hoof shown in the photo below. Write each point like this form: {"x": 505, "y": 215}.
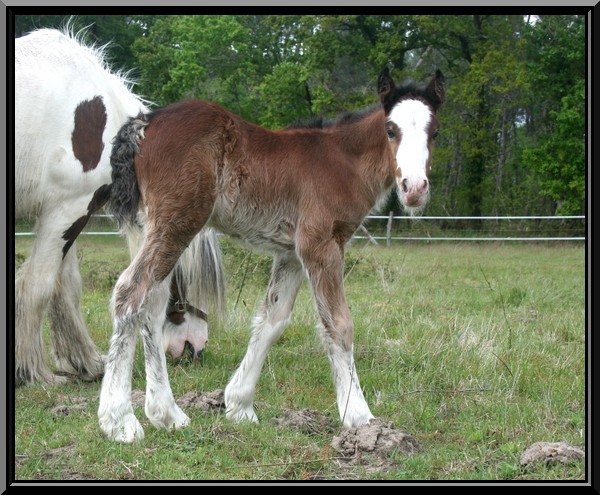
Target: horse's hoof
{"x": 46, "y": 378}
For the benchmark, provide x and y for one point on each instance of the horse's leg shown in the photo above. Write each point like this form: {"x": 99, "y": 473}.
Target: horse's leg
{"x": 34, "y": 285}
{"x": 324, "y": 263}
{"x": 139, "y": 302}
{"x": 74, "y": 351}
{"x": 269, "y": 324}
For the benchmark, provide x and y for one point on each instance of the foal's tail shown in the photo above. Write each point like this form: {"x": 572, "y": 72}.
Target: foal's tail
{"x": 125, "y": 193}
{"x": 200, "y": 273}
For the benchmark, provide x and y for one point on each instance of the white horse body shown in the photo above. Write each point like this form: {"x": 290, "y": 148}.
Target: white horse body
{"x": 53, "y": 74}
{"x": 68, "y": 107}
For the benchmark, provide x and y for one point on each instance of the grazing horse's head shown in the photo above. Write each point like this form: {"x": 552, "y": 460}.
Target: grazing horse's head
{"x": 411, "y": 125}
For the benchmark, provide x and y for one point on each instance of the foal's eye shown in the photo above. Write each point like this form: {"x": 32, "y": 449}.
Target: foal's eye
{"x": 390, "y": 133}
{"x": 434, "y": 135}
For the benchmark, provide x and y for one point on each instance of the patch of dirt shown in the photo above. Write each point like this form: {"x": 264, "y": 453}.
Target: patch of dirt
{"x": 61, "y": 452}
{"x": 367, "y": 447}
{"x": 370, "y": 445}
{"x": 138, "y": 397}
{"x": 307, "y": 421}
{"x": 355, "y": 450}
{"x": 551, "y": 452}
{"x": 205, "y": 401}
{"x": 68, "y": 405}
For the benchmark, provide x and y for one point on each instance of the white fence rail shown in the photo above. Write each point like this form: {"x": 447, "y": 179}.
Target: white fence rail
{"x": 406, "y": 228}
{"x": 502, "y": 224}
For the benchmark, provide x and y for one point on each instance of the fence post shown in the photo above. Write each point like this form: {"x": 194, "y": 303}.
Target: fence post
{"x": 389, "y": 229}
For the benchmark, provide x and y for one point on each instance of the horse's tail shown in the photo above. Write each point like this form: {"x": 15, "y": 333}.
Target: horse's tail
{"x": 199, "y": 273}
{"x": 125, "y": 193}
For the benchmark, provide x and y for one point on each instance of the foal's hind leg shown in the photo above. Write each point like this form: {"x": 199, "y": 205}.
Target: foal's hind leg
{"x": 324, "y": 264}
{"x": 139, "y": 302}
{"x": 74, "y": 351}
{"x": 115, "y": 411}
{"x": 269, "y": 324}
{"x": 160, "y": 408}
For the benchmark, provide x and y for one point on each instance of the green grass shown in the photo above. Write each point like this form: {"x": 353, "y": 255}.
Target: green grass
{"x": 476, "y": 349}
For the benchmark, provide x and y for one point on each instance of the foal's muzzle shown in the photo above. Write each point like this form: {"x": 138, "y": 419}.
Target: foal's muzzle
{"x": 413, "y": 192}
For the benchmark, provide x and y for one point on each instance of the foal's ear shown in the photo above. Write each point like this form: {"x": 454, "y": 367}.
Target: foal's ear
{"x": 435, "y": 92}
{"x": 385, "y": 85}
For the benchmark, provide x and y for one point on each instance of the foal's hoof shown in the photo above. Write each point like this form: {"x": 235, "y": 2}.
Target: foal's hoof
{"x": 238, "y": 415}
{"x": 127, "y": 430}
{"x": 173, "y": 420}
{"x": 180, "y": 420}
{"x": 358, "y": 419}
{"x": 163, "y": 416}
{"x": 239, "y": 404}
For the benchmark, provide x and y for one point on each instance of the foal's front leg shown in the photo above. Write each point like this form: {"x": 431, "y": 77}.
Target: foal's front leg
{"x": 337, "y": 329}
{"x": 269, "y": 324}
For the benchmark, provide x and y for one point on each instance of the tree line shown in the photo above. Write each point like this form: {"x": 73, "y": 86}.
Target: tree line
{"x": 513, "y": 133}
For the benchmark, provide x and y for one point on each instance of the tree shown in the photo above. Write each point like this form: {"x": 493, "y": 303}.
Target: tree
{"x": 212, "y": 57}
{"x": 555, "y": 116}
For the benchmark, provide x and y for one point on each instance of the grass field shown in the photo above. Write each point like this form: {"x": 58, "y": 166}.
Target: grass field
{"x": 475, "y": 349}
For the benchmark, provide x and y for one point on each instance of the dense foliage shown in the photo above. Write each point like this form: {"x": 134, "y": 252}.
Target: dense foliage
{"x": 514, "y": 128}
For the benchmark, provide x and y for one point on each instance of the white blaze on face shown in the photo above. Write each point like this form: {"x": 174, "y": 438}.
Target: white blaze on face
{"x": 412, "y": 118}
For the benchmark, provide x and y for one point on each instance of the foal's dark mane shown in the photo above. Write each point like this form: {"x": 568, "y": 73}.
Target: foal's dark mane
{"x": 349, "y": 117}
{"x": 321, "y": 122}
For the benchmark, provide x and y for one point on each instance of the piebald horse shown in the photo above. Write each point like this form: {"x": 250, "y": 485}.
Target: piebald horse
{"x": 69, "y": 105}
{"x": 296, "y": 193}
